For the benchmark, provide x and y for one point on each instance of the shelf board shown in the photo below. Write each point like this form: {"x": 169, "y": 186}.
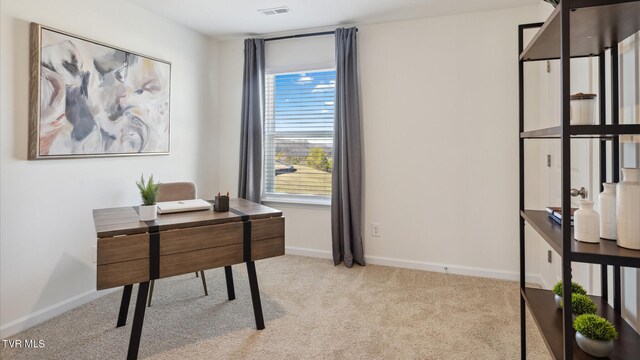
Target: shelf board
{"x": 583, "y": 131}
{"x": 594, "y": 27}
{"x": 548, "y": 318}
{"x": 605, "y": 252}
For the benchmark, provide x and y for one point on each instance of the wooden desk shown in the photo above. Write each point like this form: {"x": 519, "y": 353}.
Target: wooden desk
{"x": 132, "y": 251}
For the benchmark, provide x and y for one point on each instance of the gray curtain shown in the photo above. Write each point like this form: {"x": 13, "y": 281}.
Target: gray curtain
{"x": 252, "y": 115}
{"x": 346, "y": 177}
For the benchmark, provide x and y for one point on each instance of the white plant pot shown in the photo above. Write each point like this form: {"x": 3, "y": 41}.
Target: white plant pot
{"x": 597, "y": 348}
{"x": 586, "y": 223}
{"x": 148, "y": 212}
{"x": 608, "y": 225}
{"x": 628, "y": 209}
{"x": 558, "y": 300}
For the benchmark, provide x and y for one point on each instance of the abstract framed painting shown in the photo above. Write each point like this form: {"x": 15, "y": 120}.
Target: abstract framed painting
{"x": 89, "y": 99}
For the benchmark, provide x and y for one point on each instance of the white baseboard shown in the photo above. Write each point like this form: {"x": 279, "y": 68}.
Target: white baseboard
{"x": 418, "y": 265}
{"x": 50, "y": 312}
{"x": 453, "y": 269}
{"x": 322, "y": 254}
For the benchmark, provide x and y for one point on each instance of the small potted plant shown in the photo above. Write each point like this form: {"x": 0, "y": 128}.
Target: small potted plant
{"x": 582, "y": 304}
{"x": 575, "y": 289}
{"x": 595, "y": 335}
{"x": 149, "y": 192}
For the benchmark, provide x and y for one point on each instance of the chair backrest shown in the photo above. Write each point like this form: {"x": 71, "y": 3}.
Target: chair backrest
{"x": 176, "y": 191}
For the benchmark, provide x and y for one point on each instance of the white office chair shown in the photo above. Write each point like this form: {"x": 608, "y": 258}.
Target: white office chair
{"x": 173, "y": 192}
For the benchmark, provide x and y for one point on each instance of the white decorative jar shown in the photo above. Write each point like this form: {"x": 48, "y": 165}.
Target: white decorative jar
{"x": 628, "y": 209}
{"x": 586, "y": 226}
{"x": 148, "y": 212}
{"x": 583, "y": 109}
{"x": 607, "y": 211}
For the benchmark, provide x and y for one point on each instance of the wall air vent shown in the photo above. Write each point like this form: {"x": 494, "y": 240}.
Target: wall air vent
{"x": 275, "y": 11}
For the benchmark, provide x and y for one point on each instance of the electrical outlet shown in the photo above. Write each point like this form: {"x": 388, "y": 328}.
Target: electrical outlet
{"x": 375, "y": 229}
{"x": 94, "y": 254}
{"x": 549, "y": 256}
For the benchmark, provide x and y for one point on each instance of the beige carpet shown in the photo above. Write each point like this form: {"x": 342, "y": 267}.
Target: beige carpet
{"x": 312, "y": 310}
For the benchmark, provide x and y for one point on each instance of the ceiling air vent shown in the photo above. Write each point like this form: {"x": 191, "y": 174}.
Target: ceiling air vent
{"x": 275, "y": 11}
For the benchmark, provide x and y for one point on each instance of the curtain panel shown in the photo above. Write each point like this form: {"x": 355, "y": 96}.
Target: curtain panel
{"x": 346, "y": 198}
{"x": 249, "y": 183}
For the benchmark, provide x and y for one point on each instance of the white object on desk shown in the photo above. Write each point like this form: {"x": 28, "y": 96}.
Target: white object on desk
{"x": 167, "y": 207}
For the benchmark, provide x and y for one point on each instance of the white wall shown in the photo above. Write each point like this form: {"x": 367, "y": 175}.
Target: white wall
{"x": 439, "y": 101}
{"x": 46, "y": 229}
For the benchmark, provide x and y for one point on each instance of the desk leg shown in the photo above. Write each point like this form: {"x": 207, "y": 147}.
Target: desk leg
{"x": 138, "y": 319}
{"x": 255, "y": 294}
{"x": 231, "y": 292}
{"x": 124, "y": 305}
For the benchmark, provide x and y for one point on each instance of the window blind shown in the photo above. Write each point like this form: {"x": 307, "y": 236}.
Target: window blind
{"x": 299, "y": 116}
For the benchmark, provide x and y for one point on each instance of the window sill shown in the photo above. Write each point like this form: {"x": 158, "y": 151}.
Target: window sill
{"x": 298, "y": 200}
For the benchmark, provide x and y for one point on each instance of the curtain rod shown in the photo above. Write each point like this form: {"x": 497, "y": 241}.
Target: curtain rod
{"x": 301, "y": 35}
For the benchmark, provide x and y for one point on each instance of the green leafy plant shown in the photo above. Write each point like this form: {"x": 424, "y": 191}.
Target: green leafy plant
{"x": 595, "y": 327}
{"x": 575, "y": 288}
{"x": 581, "y": 304}
{"x": 553, "y": 2}
{"x": 148, "y": 190}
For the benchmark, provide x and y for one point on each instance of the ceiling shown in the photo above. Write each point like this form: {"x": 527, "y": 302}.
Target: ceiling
{"x": 231, "y": 18}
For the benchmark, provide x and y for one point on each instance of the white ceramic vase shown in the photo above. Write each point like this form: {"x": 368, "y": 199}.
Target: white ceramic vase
{"x": 607, "y": 212}
{"x": 597, "y": 348}
{"x": 628, "y": 209}
{"x": 148, "y": 212}
{"x": 586, "y": 221}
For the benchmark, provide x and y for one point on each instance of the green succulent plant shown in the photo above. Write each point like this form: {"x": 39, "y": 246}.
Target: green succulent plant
{"x": 148, "y": 190}
{"x": 595, "y": 327}
{"x": 581, "y": 304}
{"x": 553, "y": 2}
{"x": 575, "y": 288}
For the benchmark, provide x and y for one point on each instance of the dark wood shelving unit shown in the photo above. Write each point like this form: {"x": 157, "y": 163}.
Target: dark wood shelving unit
{"x": 548, "y": 318}
{"x": 578, "y": 28}
{"x": 605, "y": 252}
{"x": 586, "y": 131}
{"x": 595, "y": 25}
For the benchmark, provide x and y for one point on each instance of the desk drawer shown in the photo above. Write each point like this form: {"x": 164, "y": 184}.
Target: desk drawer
{"x": 191, "y": 261}
{"x": 122, "y": 273}
{"x": 198, "y": 238}
{"x": 267, "y": 228}
{"x": 123, "y": 248}
{"x": 264, "y": 249}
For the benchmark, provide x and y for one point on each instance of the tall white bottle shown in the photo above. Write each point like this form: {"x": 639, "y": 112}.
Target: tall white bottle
{"x": 607, "y": 211}
{"x": 628, "y": 209}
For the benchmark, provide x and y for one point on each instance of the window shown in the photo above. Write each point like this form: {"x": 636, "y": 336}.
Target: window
{"x": 299, "y": 113}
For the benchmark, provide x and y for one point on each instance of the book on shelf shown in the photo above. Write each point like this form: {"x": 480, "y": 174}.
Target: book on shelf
{"x": 558, "y": 220}
{"x": 555, "y": 213}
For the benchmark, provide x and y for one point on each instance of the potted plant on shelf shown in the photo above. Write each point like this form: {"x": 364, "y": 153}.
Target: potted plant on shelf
{"x": 595, "y": 335}
{"x": 149, "y": 192}
{"x": 582, "y": 304}
{"x": 575, "y": 289}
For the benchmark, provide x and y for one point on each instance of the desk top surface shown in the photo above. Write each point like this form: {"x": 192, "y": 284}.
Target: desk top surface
{"x": 126, "y": 221}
